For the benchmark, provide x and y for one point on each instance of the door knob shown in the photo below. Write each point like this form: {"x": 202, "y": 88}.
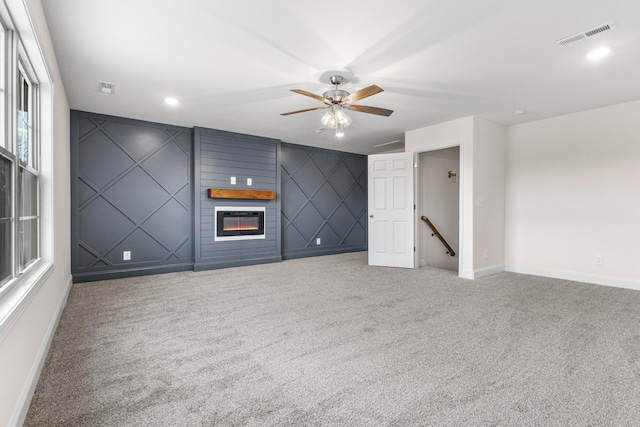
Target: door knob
{"x": 370, "y": 216}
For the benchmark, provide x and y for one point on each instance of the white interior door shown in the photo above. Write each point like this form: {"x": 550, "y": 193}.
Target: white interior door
{"x": 391, "y": 213}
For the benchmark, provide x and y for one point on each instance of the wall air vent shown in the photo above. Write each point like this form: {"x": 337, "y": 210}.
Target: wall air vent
{"x": 105, "y": 87}
{"x": 587, "y": 33}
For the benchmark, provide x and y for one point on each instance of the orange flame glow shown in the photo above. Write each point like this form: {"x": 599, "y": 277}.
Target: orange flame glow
{"x": 241, "y": 228}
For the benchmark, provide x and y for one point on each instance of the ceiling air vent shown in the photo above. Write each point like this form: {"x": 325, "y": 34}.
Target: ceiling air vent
{"x": 105, "y": 87}
{"x": 587, "y": 33}
{"x": 387, "y": 143}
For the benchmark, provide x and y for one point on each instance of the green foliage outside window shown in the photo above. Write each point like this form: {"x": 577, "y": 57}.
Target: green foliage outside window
{"x": 23, "y": 136}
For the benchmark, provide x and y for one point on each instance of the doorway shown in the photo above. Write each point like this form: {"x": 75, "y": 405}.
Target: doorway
{"x": 438, "y": 199}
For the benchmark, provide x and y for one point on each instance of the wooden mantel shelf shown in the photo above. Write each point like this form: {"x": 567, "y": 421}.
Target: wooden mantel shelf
{"x": 222, "y": 193}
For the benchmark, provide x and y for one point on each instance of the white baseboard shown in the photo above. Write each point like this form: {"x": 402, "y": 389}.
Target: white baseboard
{"x": 488, "y": 271}
{"x": 618, "y": 282}
{"x": 24, "y": 400}
{"x": 466, "y": 274}
{"x": 481, "y": 272}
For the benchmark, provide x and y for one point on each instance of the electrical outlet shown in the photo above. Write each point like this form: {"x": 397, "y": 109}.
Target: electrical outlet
{"x": 599, "y": 260}
{"x": 249, "y": 182}
{"x": 233, "y": 180}
{"x": 485, "y": 253}
{"x": 126, "y": 255}
{"x": 318, "y": 241}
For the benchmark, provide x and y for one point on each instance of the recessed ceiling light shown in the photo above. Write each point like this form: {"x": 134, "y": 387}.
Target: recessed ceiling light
{"x": 171, "y": 101}
{"x": 520, "y": 111}
{"x": 597, "y": 54}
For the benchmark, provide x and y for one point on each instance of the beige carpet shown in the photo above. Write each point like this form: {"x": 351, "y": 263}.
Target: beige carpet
{"x": 330, "y": 341}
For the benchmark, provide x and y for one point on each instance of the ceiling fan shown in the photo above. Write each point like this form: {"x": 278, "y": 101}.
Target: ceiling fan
{"x": 337, "y": 100}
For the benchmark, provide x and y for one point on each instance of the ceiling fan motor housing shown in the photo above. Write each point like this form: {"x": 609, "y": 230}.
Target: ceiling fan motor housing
{"x": 335, "y": 80}
{"x": 335, "y": 95}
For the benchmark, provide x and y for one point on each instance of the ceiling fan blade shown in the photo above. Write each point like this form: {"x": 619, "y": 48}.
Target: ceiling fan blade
{"x": 371, "y": 110}
{"x": 302, "y": 111}
{"x": 361, "y": 94}
{"x": 311, "y": 95}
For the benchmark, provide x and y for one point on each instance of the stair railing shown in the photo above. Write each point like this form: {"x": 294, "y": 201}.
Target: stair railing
{"x": 436, "y": 233}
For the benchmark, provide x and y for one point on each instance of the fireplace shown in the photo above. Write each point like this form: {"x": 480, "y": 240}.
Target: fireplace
{"x": 239, "y": 223}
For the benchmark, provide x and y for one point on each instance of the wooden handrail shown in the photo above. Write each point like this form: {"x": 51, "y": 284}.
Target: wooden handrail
{"x": 437, "y": 233}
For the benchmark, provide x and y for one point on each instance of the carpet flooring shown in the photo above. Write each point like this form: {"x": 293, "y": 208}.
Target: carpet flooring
{"x": 330, "y": 341}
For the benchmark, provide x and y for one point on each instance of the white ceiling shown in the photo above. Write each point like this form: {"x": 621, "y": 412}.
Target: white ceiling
{"x": 232, "y": 63}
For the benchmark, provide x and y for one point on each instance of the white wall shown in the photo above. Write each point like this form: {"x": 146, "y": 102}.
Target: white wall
{"x": 489, "y": 143}
{"x": 438, "y": 199}
{"x": 573, "y": 192}
{"x": 23, "y": 347}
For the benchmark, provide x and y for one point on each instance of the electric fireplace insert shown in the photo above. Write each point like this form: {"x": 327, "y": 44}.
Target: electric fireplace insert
{"x": 239, "y": 223}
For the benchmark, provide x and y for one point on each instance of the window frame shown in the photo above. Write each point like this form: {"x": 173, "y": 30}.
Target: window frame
{"x": 7, "y": 145}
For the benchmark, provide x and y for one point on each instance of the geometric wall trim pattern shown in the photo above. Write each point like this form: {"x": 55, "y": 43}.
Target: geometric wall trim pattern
{"x": 131, "y": 191}
{"x": 324, "y": 195}
{"x": 141, "y": 187}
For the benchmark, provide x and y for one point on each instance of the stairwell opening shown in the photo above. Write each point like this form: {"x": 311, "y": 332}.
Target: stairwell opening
{"x": 438, "y": 191}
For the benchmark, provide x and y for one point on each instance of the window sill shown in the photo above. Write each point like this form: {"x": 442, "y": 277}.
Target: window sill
{"x": 16, "y": 295}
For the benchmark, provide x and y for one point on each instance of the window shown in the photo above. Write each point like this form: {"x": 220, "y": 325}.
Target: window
{"x": 27, "y": 177}
{"x": 19, "y": 174}
{"x": 28, "y": 218}
{"x": 5, "y": 219}
{"x": 24, "y": 126}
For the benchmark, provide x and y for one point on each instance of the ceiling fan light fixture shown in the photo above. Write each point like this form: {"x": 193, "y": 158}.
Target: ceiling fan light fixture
{"x": 336, "y": 117}
{"x": 328, "y": 120}
{"x": 341, "y": 117}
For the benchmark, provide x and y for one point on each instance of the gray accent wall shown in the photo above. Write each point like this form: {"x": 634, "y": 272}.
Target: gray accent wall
{"x": 218, "y": 156}
{"x": 142, "y": 187}
{"x": 324, "y": 195}
{"x": 130, "y": 191}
